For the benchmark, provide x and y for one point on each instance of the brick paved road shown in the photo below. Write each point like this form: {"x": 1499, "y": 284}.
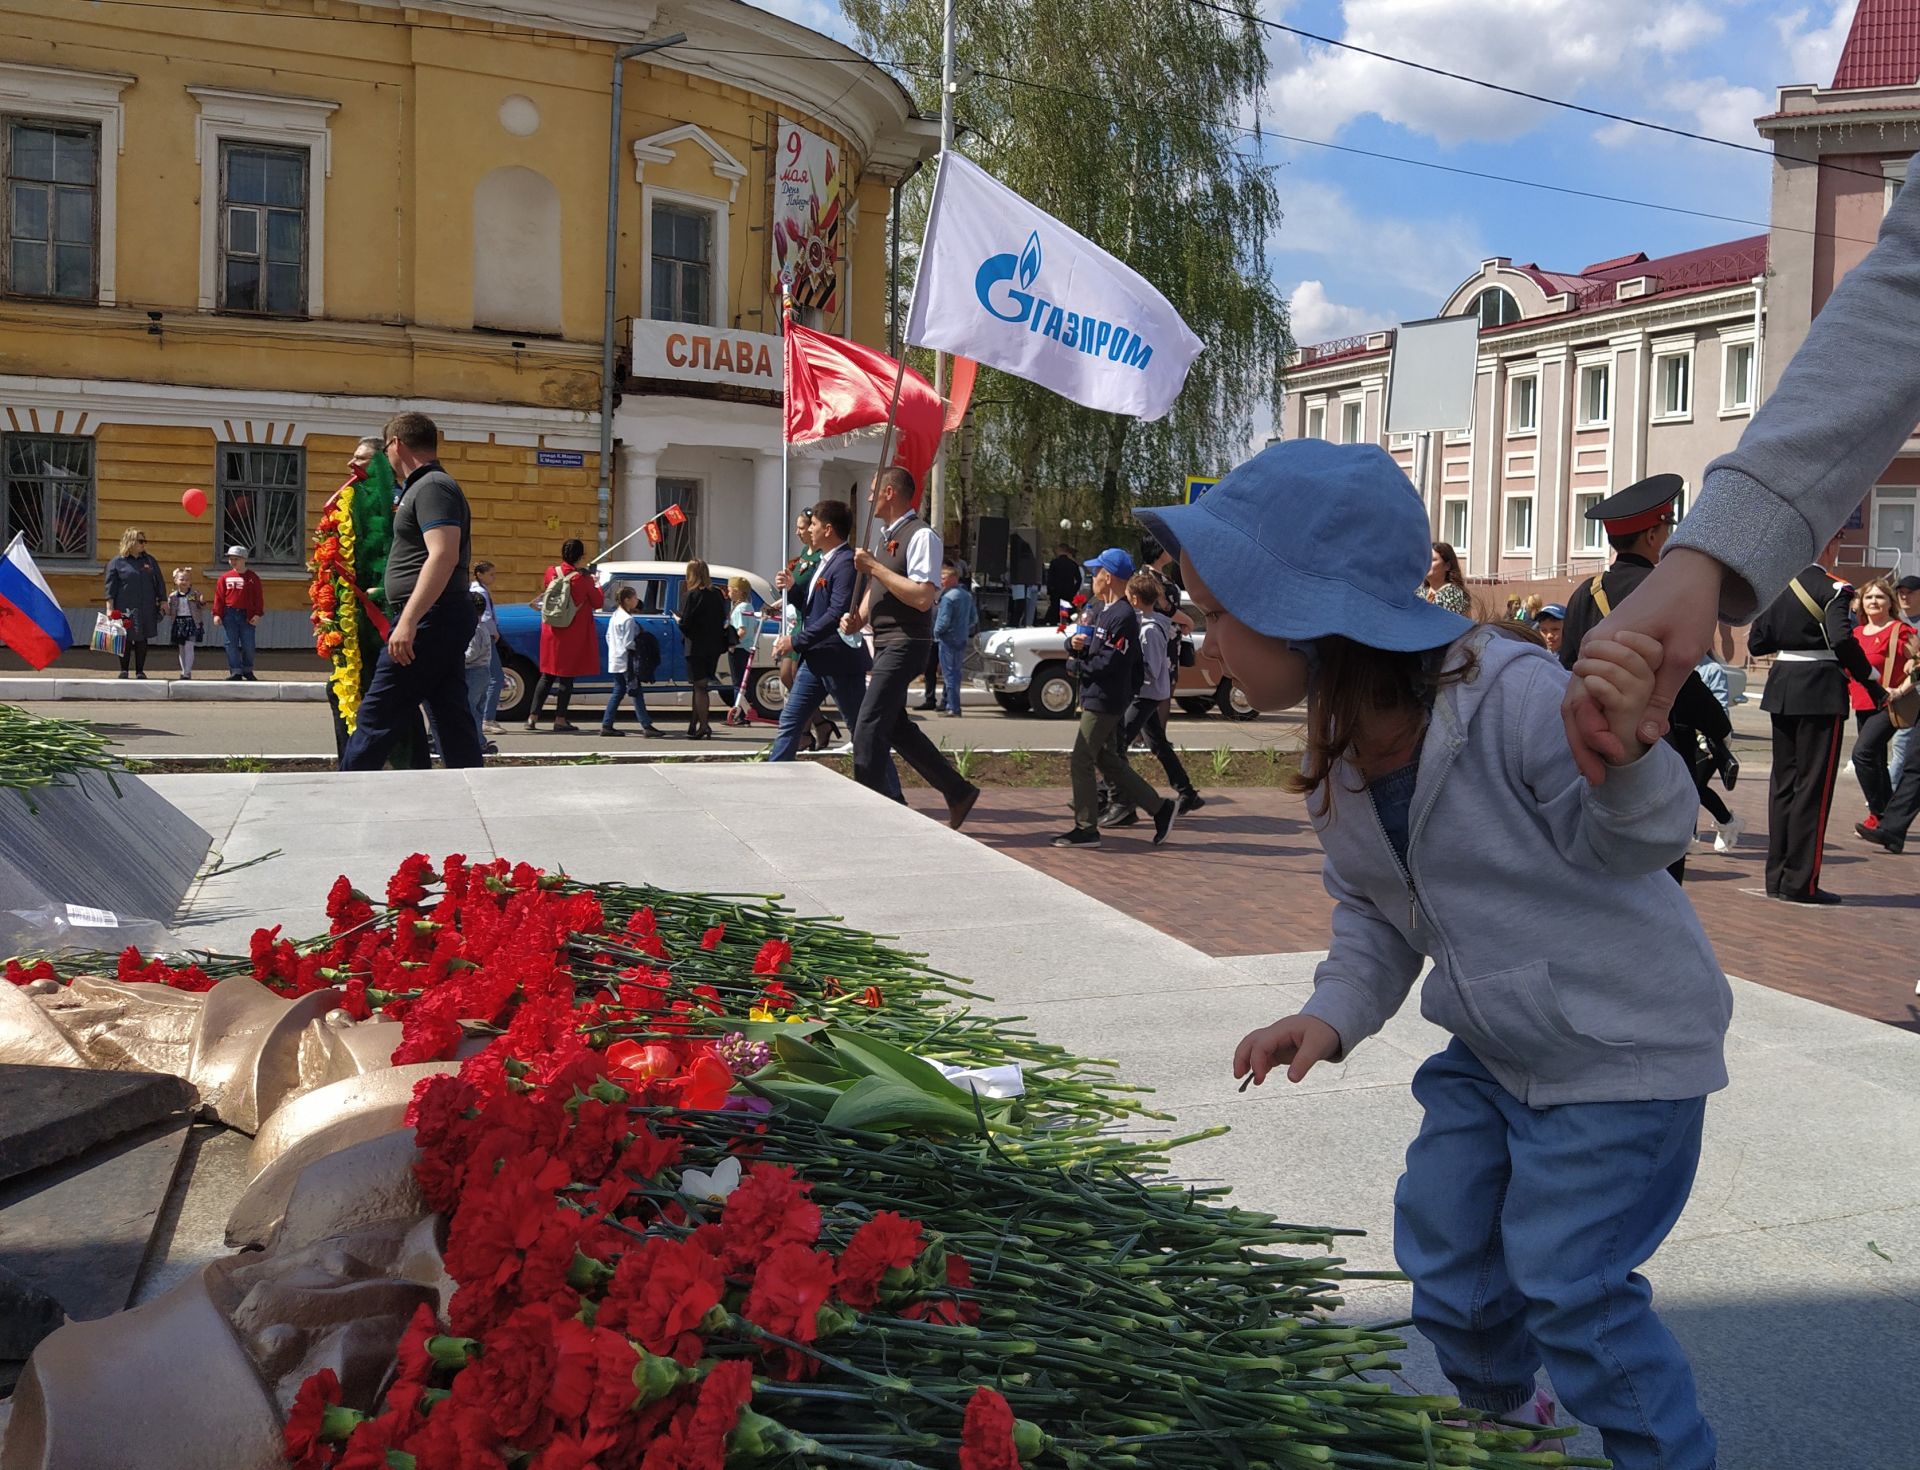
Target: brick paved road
{"x": 1243, "y": 877}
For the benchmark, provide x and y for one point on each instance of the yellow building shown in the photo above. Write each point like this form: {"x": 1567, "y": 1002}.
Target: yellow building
{"x": 238, "y": 234}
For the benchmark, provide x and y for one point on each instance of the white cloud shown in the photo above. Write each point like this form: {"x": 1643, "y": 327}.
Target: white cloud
{"x": 1621, "y": 55}
{"x": 820, "y": 15}
{"x": 1316, "y": 319}
{"x": 1424, "y": 258}
{"x": 1719, "y": 108}
{"x": 1813, "y": 37}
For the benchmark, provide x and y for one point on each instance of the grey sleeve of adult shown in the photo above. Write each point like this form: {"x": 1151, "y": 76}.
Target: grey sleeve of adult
{"x": 1844, "y": 407}
{"x": 436, "y": 504}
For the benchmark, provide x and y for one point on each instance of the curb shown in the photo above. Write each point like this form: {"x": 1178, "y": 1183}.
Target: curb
{"x": 137, "y": 691}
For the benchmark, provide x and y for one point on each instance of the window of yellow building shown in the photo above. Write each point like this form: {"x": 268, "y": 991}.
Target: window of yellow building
{"x": 262, "y": 503}
{"x": 49, "y": 495}
{"x": 53, "y": 181}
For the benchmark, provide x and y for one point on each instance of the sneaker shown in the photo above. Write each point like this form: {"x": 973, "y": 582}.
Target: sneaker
{"x": 1190, "y": 801}
{"x": 231, "y": 678}
{"x": 1726, "y": 835}
{"x": 489, "y": 749}
{"x": 1163, "y": 820}
{"x": 1079, "y": 837}
{"x": 493, "y": 727}
{"x": 1119, "y": 816}
{"x": 1819, "y": 898}
{"x": 1538, "y": 1414}
{"x": 249, "y": 677}
{"x": 607, "y": 732}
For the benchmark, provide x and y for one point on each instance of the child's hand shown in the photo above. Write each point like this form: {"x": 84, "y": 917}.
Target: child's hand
{"x": 1619, "y": 675}
{"x": 1298, "y": 1041}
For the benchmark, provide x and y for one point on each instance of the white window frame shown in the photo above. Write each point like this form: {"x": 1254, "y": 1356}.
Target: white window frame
{"x": 1729, "y": 346}
{"x": 1514, "y": 428}
{"x": 1894, "y": 170}
{"x": 1533, "y": 522}
{"x": 720, "y": 212}
{"x": 1589, "y": 537}
{"x": 257, "y": 117}
{"x": 1465, "y": 502}
{"x": 1881, "y": 496}
{"x": 60, "y": 95}
{"x": 1657, "y": 361}
{"x": 1307, "y": 429}
{"x": 1360, "y": 420}
{"x": 1581, "y": 372}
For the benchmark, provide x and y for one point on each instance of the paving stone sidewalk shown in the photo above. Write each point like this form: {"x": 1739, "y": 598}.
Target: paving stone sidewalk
{"x": 1242, "y": 876}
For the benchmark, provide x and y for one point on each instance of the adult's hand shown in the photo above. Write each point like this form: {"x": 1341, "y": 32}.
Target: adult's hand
{"x": 865, "y": 561}
{"x": 400, "y": 641}
{"x": 1678, "y": 607}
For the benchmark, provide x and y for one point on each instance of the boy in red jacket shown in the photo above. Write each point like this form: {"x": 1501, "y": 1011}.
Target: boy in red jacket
{"x": 239, "y": 602}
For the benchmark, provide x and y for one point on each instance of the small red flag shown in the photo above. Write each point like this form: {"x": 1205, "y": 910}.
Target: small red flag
{"x": 960, "y": 391}
{"x": 653, "y": 532}
{"x": 675, "y": 516}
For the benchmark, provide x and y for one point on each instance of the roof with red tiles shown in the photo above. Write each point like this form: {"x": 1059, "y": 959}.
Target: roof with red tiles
{"x": 1685, "y": 273}
{"x": 1883, "y": 46}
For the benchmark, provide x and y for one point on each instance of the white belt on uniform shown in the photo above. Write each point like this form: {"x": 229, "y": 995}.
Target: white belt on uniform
{"x": 1805, "y": 656}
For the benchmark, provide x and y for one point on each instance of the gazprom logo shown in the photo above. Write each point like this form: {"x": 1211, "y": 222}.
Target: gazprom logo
{"x": 1004, "y": 284}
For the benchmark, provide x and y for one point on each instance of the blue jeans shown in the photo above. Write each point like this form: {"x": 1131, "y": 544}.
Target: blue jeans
{"x": 496, "y": 681}
{"x": 477, "y": 694}
{"x": 240, "y": 635}
{"x": 953, "y": 658}
{"x": 809, "y": 692}
{"x": 1897, "y": 754}
{"x": 623, "y": 686}
{"x": 1522, "y": 1229}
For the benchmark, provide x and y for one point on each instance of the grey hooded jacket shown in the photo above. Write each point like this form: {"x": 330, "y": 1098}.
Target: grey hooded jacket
{"x": 1563, "y": 954}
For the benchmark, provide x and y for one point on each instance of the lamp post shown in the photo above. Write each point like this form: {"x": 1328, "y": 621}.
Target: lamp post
{"x": 621, "y": 56}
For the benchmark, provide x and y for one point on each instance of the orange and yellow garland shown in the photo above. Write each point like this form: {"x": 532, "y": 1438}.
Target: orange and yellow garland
{"x": 336, "y": 605}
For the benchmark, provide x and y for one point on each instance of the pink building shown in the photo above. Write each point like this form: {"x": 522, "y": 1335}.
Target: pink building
{"x": 1589, "y": 380}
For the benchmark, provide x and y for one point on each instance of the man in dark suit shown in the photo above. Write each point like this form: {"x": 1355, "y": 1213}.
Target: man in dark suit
{"x": 1809, "y": 631}
{"x": 1063, "y": 580}
{"x": 829, "y": 664}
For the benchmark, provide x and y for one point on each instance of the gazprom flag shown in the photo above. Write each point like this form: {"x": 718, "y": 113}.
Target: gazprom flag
{"x": 31, "y": 623}
{"x": 1009, "y": 286}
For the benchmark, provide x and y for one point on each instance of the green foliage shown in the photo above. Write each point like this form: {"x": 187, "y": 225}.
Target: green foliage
{"x": 1132, "y": 137}
{"x": 1221, "y": 759}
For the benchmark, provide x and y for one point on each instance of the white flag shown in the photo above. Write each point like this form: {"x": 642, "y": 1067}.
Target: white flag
{"x": 1007, "y": 285}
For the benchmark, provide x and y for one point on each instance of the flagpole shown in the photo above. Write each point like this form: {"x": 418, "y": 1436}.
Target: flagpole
{"x": 937, "y": 477}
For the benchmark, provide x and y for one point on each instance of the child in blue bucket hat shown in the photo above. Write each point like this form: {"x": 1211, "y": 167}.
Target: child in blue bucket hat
{"x": 1562, "y": 1121}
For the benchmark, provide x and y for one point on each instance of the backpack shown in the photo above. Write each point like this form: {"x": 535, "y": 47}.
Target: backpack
{"x": 644, "y": 657}
{"x": 557, "y": 607}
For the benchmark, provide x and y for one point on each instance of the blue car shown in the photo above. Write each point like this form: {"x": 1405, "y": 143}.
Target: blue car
{"x": 660, "y": 585}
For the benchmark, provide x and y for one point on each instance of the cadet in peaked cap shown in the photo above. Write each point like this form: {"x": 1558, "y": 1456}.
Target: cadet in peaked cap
{"x": 1639, "y": 519}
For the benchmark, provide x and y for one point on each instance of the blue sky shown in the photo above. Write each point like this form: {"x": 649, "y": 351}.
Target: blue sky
{"x": 1366, "y": 243}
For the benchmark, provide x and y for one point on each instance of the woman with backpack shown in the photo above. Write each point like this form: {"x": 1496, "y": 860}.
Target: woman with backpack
{"x": 703, "y": 623}
{"x": 569, "y": 647}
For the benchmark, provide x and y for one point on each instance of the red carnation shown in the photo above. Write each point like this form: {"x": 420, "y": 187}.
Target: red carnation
{"x": 302, "y": 1435}
{"x": 773, "y": 957}
{"x": 512, "y": 1377}
{"x": 21, "y": 974}
{"x": 711, "y": 939}
{"x": 407, "y": 887}
{"x": 697, "y": 1438}
{"x": 951, "y": 1310}
{"x": 986, "y": 1433}
{"x": 770, "y": 1209}
{"x": 789, "y": 1289}
{"x": 660, "y": 1291}
{"x": 887, "y": 1242}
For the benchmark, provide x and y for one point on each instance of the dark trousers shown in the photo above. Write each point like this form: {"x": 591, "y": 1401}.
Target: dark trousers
{"x": 1806, "y": 756}
{"x": 1870, "y": 758}
{"x": 1150, "y": 716}
{"x": 561, "y": 686}
{"x": 884, "y": 728}
{"x": 437, "y": 678}
{"x": 136, "y": 653}
{"x": 1094, "y": 751}
{"x": 932, "y": 675}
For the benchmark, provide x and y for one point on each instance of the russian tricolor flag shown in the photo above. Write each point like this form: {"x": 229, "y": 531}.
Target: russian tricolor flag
{"x": 31, "y": 623}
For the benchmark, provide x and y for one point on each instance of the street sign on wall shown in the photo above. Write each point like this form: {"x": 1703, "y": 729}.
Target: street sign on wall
{"x": 1198, "y": 485}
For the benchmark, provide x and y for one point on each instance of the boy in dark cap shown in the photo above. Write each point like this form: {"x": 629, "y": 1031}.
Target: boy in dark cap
{"x": 1551, "y": 624}
{"x": 1639, "y": 520}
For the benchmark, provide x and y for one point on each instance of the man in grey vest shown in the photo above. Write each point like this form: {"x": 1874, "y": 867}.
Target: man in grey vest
{"x": 901, "y": 579}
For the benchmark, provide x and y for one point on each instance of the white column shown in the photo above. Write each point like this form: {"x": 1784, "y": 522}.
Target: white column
{"x": 803, "y": 487}
{"x": 633, "y": 496}
{"x": 772, "y": 524}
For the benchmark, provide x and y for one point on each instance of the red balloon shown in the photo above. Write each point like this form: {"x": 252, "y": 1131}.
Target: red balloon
{"x": 194, "y": 502}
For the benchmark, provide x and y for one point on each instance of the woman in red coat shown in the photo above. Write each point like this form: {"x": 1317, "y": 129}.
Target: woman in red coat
{"x": 573, "y": 651}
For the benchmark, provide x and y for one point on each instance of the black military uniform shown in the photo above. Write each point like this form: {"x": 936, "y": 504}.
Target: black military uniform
{"x": 1809, "y": 629}
{"x": 1696, "y": 712}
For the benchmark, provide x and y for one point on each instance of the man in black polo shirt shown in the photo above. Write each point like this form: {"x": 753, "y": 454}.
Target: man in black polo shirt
{"x": 900, "y": 574}
{"x": 424, "y": 661}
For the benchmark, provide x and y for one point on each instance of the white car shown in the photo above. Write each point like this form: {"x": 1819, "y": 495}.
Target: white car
{"x": 1027, "y": 671}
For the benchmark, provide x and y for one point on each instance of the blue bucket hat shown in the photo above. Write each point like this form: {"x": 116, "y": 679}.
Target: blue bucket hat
{"x": 1308, "y": 539}
{"x": 1113, "y": 560}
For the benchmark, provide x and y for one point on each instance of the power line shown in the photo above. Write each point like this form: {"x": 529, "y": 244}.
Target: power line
{"x": 1504, "y": 90}
{"x": 928, "y": 68}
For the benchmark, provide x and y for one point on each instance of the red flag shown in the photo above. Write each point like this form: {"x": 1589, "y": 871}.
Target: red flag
{"x": 652, "y": 528}
{"x": 675, "y": 516}
{"x": 960, "y": 391}
{"x": 834, "y": 385}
